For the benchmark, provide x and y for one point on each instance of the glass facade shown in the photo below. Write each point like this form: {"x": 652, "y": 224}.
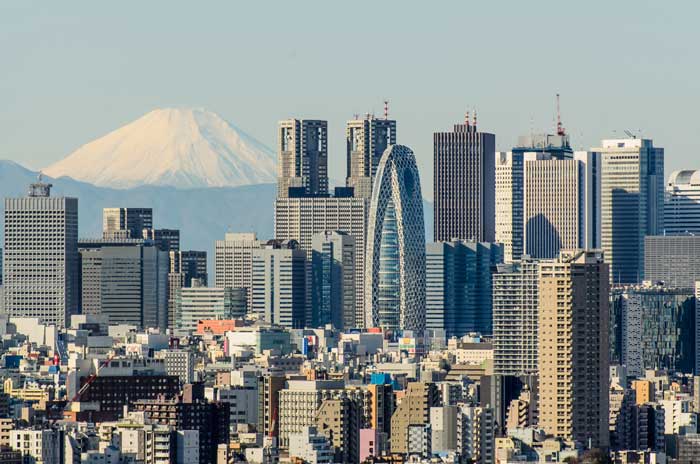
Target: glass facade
{"x": 389, "y": 286}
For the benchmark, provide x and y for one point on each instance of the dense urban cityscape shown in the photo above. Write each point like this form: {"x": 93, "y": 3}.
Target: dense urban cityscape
{"x": 553, "y": 318}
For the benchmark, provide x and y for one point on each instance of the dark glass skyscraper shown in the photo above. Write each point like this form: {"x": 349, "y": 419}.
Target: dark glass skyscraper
{"x": 464, "y": 184}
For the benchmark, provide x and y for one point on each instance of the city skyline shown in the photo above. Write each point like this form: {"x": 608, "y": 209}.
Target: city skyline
{"x": 112, "y": 81}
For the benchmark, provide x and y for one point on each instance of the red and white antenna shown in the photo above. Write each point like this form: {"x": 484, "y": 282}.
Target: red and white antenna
{"x": 466, "y": 118}
{"x": 386, "y": 109}
{"x": 474, "y": 120}
{"x": 560, "y": 127}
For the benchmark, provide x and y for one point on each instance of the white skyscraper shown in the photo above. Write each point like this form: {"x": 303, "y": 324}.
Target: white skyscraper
{"x": 682, "y": 205}
{"x": 395, "y": 261}
{"x": 233, "y": 261}
{"x": 509, "y": 204}
{"x": 41, "y": 256}
{"x": 632, "y": 203}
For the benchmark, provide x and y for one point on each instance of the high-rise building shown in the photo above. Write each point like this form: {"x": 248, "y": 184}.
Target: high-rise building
{"x": 509, "y": 204}
{"x": 653, "y": 327}
{"x": 414, "y": 409}
{"x": 333, "y": 280}
{"x": 279, "y": 283}
{"x": 682, "y": 205}
{"x": 515, "y": 318}
{"x": 674, "y": 260}
{"x": 233, "y": 261}
{"x": 366, "y": 141}
{"x": 302, "y": 157}
{"x": 126, "y": 280}
{"x": 184, "y": 266}
{"x": 573, "y": 347}
{"x": 632, "y": 204}
{"x": 126, "y": 222}
{"x": 166, "y": 239}
{"x": 464, "y": 184}
{"x": 395, "y": 252}
{"x": 301, "y": 217}
{"x": 458, "y": 286}
{"x": 198, "y": 302}
{"x": 40, "y": 269}
{"x": 560, "y": 202}
{"x": 340, "y": 419}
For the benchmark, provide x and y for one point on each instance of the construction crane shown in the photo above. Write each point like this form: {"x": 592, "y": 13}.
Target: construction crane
{"x": 90, "y": 379}
{"x": 560, "y": 127}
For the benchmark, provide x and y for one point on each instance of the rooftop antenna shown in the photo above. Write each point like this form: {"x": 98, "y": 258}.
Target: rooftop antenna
{"x": 474, "y": 120}
{"x": 386, "y": 109}
{"x": 466, "y": 118}
{"x": 560, "y": 127}
{"x": 356, "y": 115}
{"x": 630, "y": 134}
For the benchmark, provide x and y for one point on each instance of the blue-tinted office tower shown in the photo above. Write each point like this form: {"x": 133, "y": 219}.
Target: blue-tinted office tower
{"x": 333, "y": 275}
{"x": 459, "y": 286}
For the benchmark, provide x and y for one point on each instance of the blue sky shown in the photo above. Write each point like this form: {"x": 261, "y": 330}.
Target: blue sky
{"x": 72, "y": 71}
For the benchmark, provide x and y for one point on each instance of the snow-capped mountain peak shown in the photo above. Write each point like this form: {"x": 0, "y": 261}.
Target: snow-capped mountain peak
{"x": 178, "y": 147}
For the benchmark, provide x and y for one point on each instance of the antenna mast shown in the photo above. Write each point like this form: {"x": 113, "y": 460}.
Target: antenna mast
{"x": 560, "y": 127}
{"x": 386, "y": 109}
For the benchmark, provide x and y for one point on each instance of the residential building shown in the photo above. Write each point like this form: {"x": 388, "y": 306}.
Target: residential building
{"x": 414, "y": 409}
{"x": 340, "y": 419}
{"x": 38, "y": 446}
{"x": 573, "y": 347}
{"x": 302, "y": 157}
{"x": 458, "y": 290}
{"x": 464, "y": 184}
{"x": 395, "y": 253}
{"x": 40, "y": 264}
{"x": 311, "y": 447}
{"x": 632, "y": 204}
{"x": 366, "y": 141}
{"x": 515, "y": 318}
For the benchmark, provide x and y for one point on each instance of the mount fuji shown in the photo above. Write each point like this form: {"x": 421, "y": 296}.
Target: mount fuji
{"x": 177, "y": 147}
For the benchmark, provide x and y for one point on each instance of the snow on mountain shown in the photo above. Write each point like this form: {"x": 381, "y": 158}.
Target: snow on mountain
{"x": 177, "y": 147}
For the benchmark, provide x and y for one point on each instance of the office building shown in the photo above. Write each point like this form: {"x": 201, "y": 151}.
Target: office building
{"x": 184, "y": 267}
{"x": 198, "y": 302}
{"x": 126, "y": 222}
{"x": 40, "y": 268}
{"x": 395, "y": 252}
{"x": 673, "y": 260}
{"x": 464, "y": 184}
{"x": 573, "y": 347}
{"x": 366, "y": 141}
{"x": 458, "y": 292}
{"x": 560, "y": 202}
{"x": 515, "y": 318}
{"x": 653, "y": 327}
{"x": 125, "y": 280}
{"x": 299, "y": 218}
{"x": 632, "y": 204}
{"x": 682, "y": 204}
{"x": 333, "y": 280}
{"x": 279, "y": 283}
{"x": 509, "y": 204}
{"x": 414, "y": 409}
{"x": 233, "y": 261}
{"x": 166, "y": 239}
{"x": 302, "y": 157}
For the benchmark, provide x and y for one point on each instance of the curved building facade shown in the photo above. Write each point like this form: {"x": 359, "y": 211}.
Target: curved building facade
{"x": 395, "y": 253}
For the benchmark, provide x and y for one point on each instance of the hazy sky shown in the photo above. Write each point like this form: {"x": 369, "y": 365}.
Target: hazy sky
{"x": 73, "y": 71}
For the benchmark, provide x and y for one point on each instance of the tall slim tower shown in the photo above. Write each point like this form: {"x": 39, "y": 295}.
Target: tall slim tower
{"x": 632, "y": 204}
{"x": 41, "y": 256}
{"x": 303, "y": 157}
{"x": 366, "y": 141}
{"x": 573, "y": 340}
{"x": 464, "y": 184}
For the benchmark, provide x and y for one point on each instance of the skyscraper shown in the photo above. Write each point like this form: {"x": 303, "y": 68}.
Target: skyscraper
{"x": 366, "y": 141}
{"x": 41, "y": 256}
{"x": 300, "y": 218}
{"x": 279, "y": 283}
{"x": 233, "y": 261}
{"x": 126, "y": 222}
{"x": 515, "y": 318}
{"x": 573, "y": 347}
{"x": 395, "y": 253}
{"x": 632, "y": 202}
{"x": 560, "y": 202}
{"x": 184, "y": 266}
{"x": 458, "y": 286}
{"x": 464, "y": 184}
{"x": 333, "y": 280}
{"x": 682, "y": 205}
{"x": 672, "y": 259}
{"x": 197, "y": 301}
{"x": 509, "y": 204}
{"x": 126, "y": 280}
{"x": 303, "y": 157}
{"x": 166, "y": 239}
